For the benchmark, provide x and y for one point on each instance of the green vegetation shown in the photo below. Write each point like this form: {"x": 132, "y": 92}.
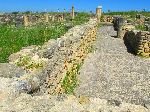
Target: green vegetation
{"x": 90, "y": 48}
{"x": 81, "y": 18}
{"x": 13, "y": 39}
{"x": 132, "y": 13}
{"x": 28, "y": 63}
{"x": 70, "y": 81}
{"x": 140, "y": 27}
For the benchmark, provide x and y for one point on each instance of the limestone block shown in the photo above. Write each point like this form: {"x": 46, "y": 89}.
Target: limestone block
{"x": 128, "y": 27}
{"x": 149, "y": 44}
{"x": 49, "y": 48}
{"x": 139, "y": 42}
{"x": 147, "y": 50}
{"x": 26, "y": 51}
{"x": 9, "y": 70}
{"x": 146, "y": 45}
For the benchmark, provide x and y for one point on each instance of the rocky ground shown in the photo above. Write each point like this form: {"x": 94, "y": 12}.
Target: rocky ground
{"x": 114, "y": 74}
{"x": 111, "y": 80}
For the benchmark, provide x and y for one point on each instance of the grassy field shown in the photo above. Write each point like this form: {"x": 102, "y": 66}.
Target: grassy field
{"x": 12, "y": 39}
{"x": 81, "y": 18}
{"x": 132, "y": 13}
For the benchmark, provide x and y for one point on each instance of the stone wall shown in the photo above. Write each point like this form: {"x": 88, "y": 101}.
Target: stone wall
{"x": 106, "y": 18}
{"x": 46, "y": 66}
{"x": 126, "y": 28}
{"x": 30, "y": 19}
{"x": 139, "y": 42}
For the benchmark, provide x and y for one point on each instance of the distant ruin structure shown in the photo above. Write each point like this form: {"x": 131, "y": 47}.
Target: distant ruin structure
{"x": 46, "y": 18}
{"x": 72, "y": 13}
{"x": 99, "y": 13}
{"x": 26, "y": 21}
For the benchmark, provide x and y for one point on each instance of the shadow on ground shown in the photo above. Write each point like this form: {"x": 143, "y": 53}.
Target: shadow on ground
{"x": 127, "y": 44}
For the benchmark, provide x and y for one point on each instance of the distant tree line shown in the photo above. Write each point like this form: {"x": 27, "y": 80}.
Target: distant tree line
{"x": 132, "y": 13}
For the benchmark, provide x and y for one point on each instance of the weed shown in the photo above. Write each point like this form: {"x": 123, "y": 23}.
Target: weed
{"x": 90, "y": 49}
{"x": 70, "y": 81}
{"x": 28, "y": 63}
{"x": 140, "y": 27}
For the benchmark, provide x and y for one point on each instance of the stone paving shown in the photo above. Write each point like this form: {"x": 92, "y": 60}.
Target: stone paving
{"x": 112, "y": 73}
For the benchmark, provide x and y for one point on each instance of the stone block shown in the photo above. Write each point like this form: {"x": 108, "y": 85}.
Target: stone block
{"x": 9, "y": 70}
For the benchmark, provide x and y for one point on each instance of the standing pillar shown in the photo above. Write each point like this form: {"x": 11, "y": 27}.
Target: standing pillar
{"x": 53, "y": 18}
{"x": 62, "y": 17}
{"x": 26, "y": 21}
{"x": 72, "y": 13}
{"x": 99, "y": 13}
{"x": 46, "y": 18}
{"x": 64, "y": 14}
{"x": 119, "y": 23}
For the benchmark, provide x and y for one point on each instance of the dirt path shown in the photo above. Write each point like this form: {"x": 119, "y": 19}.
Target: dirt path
{"x": 113, "y": 73}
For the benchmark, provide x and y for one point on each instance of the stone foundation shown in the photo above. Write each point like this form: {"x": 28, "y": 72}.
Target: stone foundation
{"x": 106, "y": 19}
{"x": 46, "y": 66}
{"x": 139, "y": 41}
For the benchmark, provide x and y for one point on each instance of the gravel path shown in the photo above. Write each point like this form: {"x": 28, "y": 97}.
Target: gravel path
{"x": 112, "y": 73}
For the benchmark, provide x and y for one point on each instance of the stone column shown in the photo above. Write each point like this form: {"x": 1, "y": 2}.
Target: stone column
{"x": 72, "y": 12}
{"x": 53, "y": 18}
{"x": 26, "y": 20}
{"x": 46, "y": 18}
{"x": 64, "y": 14}
{"x": 62, "y": 17}
{"x": 99, "y": 13}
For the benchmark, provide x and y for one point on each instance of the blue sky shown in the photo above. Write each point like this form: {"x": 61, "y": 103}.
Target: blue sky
{"x": 82, "y": 5}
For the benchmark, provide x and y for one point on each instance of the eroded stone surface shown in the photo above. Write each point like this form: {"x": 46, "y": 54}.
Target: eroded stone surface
{"x": 9, "y": 70}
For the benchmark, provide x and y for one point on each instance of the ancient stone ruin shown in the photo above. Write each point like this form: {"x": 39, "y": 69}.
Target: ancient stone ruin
{"x": 138, "y": 41}
{"x": 30, "y": 19}
{"x": 43, "y": 78}
{"x": 46, "y": 66}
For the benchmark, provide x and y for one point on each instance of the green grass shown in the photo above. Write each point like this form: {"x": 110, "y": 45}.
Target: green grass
{"x": 132, "y": 13}
{"x": 13, "y": 39}
{"x": 70, "y": 81}
{"x": 81, "y": 18}
{"x": 28, "y": 63}
{"x": 140, "y": 27}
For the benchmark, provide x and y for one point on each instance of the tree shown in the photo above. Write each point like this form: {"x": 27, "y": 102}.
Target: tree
{"x": 15, "y": 13}
{"x": 109, "y": 11}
